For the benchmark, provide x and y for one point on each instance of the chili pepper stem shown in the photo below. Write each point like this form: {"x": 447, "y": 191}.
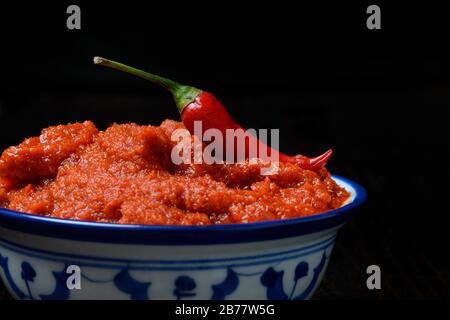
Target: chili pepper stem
{"x": 182, "y": 94}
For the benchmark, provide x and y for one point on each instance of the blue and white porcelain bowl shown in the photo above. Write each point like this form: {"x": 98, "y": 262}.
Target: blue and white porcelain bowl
{"x": 48, "y": 258}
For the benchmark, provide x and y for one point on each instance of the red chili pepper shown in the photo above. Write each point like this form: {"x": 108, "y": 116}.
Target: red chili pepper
{"x": 197, "y": 105}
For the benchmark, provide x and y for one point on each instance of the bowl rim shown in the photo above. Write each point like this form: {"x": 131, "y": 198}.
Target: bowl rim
{"x": 182, "y": 235}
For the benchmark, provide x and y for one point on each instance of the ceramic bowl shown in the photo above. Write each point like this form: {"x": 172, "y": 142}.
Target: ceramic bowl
{"x": 49, "y": 258}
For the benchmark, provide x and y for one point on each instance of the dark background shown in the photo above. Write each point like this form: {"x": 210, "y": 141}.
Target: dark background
{"x": 378, "y": 97}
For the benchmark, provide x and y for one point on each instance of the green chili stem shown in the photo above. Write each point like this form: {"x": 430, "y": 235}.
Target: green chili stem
{"x": 183, "y": 94}
{"x": 166, "y": 83}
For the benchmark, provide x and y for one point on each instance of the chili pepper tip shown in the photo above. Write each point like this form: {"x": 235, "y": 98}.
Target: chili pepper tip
{"x": 320, "y": 161}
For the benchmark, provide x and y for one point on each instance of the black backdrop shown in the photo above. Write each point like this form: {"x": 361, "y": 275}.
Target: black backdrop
{"x": 378, "y": 97}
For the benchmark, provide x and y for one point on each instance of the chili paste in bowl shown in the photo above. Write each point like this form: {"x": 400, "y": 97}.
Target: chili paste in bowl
{"x": 125, "y": 175}
{"x": 137, "y": 226}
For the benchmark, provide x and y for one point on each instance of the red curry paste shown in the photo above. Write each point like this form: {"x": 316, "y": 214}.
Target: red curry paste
{"x": 125, "y": 175}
